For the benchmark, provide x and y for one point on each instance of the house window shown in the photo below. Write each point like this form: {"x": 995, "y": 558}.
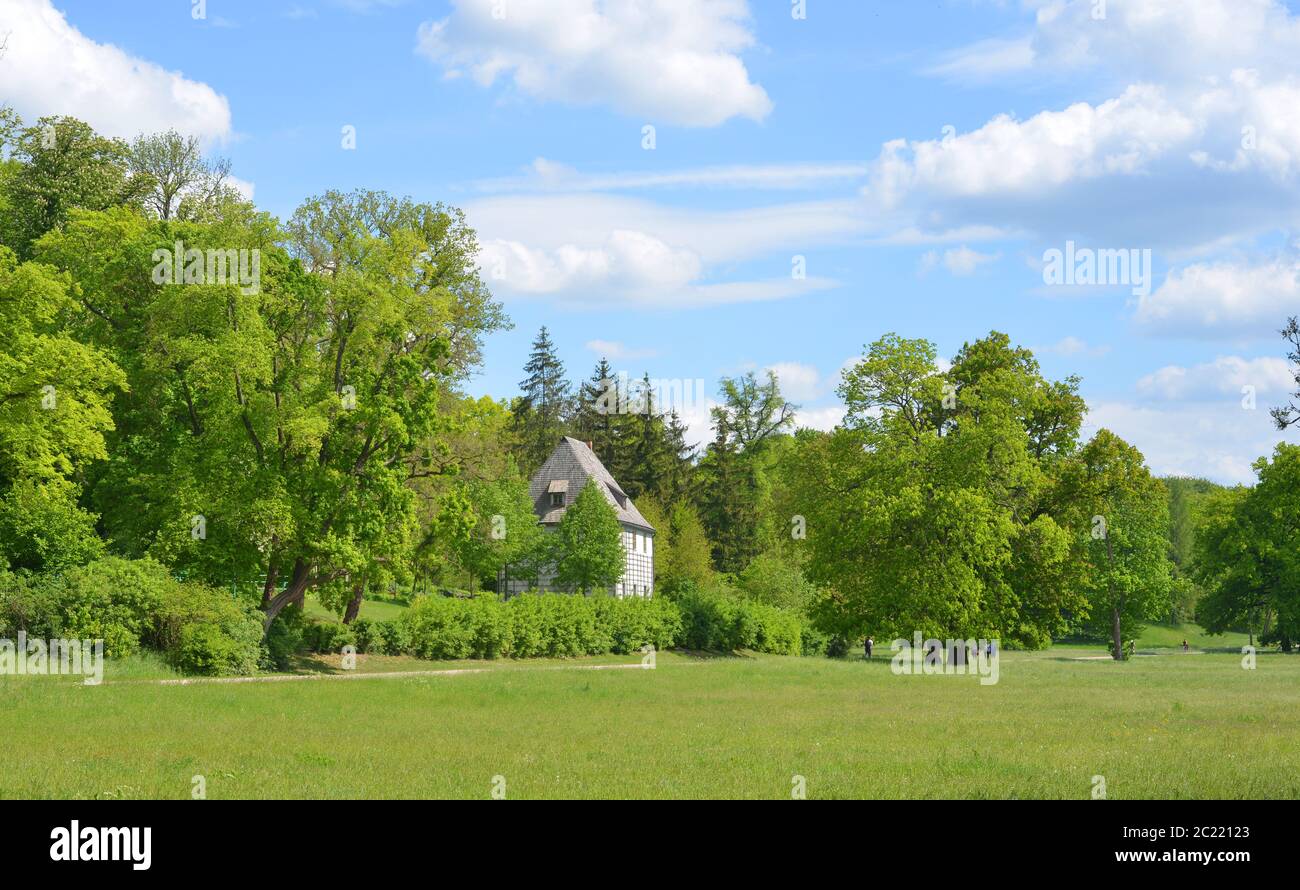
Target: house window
{"x": 557, "y": 499}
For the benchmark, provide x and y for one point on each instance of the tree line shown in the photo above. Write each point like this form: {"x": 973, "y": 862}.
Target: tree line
{"x": 314, "y": 433}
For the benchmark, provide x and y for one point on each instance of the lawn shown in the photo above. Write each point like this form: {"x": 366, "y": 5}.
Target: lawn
{"x": 1170, "y": 725}
{"x": 375, "y": 610}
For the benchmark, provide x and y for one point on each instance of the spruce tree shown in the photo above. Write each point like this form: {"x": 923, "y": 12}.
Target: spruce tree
{"x": 598, "y": 420}
{"x": 540, "y": 414}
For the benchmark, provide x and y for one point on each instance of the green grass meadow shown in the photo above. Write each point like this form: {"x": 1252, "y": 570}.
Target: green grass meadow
{"x": 1168, "y": 725}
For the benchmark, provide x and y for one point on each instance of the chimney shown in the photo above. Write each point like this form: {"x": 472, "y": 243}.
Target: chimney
{"x": 589, "y": 446}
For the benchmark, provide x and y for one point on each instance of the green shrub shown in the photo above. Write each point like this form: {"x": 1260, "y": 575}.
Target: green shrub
{"x": 634, "y": 622}
{"x": 397, "y": 638}
{"x": 370, "y": 637}
{"x": 112, "y": 599}
{"x": 812, "y": 641}
{"x": 442, "y": 627}
{"x": 27, "y": 603}
{"x": 717, "y": 620}
{"x": 202, "y": 630}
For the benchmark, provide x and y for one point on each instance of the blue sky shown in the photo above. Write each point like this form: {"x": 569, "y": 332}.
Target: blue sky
{"x": 920, "y": 158}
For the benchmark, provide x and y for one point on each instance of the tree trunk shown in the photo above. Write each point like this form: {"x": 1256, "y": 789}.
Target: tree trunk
{"x": 272, "y": 575}
{"x": 354, "y": 605}
{"x": 293, "y": 593}
{"x": 1116, "y": 637}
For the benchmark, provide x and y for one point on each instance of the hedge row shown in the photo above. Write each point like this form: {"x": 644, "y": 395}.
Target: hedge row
{"x": 130, "y": 604}
{"x": 560, "y": 625}
{"x": 545, "y": 626}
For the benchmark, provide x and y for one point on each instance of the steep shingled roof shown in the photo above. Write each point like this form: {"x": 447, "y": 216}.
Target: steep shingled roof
{"x": 573, "y": 462}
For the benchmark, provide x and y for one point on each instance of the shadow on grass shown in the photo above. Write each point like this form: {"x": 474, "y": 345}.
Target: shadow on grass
{"x": 705, "y": 655}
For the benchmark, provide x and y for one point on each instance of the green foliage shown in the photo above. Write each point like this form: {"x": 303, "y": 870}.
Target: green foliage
{"x": 42, "y": 527}
{"x": 206, "y": 631}
{"x": 589, "y": 543}
{"x": 285, "y": 637}
{"x": 291, "y": 415}
{"x": 717, "y": 620}
{"x": 131, "y": 604}
{"x": 1119, "y": 517}
{"x": 935, "y": 507}
{"x": 540, "y": 414}
{"x": 113, "y": 599}
{"x": 450, "y": 627}
{"x": 502, "y": 531}
{"x": 529, "y": 626}
{"x": 1247, "y": 553}
{"x": 777, "y": 580}
{"x": 54, "y": 411}
{"x": 63, "y": 165}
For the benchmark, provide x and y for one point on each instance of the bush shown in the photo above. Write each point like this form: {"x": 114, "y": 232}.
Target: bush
{"x": 716, "y": 620}
{"x": 27, "y": 604}
{"x": 370, "y": 637}
{"x": 812, "y": 641}
{"x": 202, "y": 630}
{"x": 635, "y": 622}
{"x": 446, "y": 627}
{"x": 113, "y": 599}
{"x": 397, "y": 638}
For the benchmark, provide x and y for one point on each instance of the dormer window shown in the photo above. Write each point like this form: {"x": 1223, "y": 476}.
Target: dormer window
{"x": 557, "y": 489}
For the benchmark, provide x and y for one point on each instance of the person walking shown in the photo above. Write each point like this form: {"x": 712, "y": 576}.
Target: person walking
{"x": 868, "y": 646}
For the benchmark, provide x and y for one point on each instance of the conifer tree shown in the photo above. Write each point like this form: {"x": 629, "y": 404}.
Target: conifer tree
{"x": 540, "y": 414}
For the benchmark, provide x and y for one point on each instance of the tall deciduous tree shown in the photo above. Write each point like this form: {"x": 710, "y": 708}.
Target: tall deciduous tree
{"x": 274, "y": 431}
{"x": 1119, "y": 516}
{"x": 55, "y": 401}
{"x": 1247, "y": 553}
{"x": 176, "y": 172}
{"x": 63, "y": 165}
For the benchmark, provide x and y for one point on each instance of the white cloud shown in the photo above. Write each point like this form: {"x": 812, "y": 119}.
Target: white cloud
{"x": 985, "y": 59}
{"x": 1049, "y": 150}
{"x": 1199, "y": 142}
{"x": 799, "y": 382}
{"x": 1215, "y": 440}
{"x": 824, "y": 419}
{"x": 1230, "y": 298}
{"x": 588, "y": 248}
{"x": 670, "y": 61}
{"x": 1219, "y": 379}
{"x": 618, "y": 351}
{"x": 1072, "y": 346}
{"x": 547, "y": 175}
{"x": 959, "y": 261}
{"x": 52, "y": 68}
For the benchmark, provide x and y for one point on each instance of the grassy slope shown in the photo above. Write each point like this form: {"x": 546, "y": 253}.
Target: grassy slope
{"x": 1166, "y": 726}
{"x": 375, "y": 610}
